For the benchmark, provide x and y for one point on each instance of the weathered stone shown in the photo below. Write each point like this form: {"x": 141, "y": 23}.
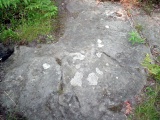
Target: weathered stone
{"x": 87, "y": 75}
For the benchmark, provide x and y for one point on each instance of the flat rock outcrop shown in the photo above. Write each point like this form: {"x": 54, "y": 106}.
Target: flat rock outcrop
{"x": 86, "y": 75}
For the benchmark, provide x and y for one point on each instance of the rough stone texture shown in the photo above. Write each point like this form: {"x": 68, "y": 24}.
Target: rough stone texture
{"x": 87, "y": 75}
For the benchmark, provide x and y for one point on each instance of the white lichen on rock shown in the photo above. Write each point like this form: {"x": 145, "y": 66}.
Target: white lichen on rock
{"x": 77, "y": 56}
{"x": 92, "y": 79}
{"x": 77, "y": 79}
{"x": 78, "y": 66}
{"x": 99, "y": 54}
{"x": 98, "y": 71}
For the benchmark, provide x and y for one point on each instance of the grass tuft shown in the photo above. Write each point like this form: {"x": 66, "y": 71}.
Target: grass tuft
{"x": 135, "y": 38}
{"x": 149, "y": 108}
{"x": 30, "y": 31}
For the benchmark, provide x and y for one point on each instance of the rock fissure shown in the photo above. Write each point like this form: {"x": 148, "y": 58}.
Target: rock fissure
{"x": 114, "y": 59}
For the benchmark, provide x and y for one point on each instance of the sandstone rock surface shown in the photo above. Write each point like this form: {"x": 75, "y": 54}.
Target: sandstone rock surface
{"x": 86, "y": 75}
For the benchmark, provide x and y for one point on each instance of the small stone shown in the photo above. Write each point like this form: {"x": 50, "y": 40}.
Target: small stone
{"x": 107, "y": 26}
{"x": 99, "y": 41}
{"x": 107, "y": 64}
{"x": 116, "y": 77}
{"x": 46, "y": 66}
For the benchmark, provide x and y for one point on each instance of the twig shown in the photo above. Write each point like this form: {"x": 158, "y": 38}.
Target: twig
{"x": 10, "y": 98}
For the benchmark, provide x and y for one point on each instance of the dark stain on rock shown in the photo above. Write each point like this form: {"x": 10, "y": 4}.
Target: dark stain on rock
{"x": 116, "y": 108}
{"x": 61, "y": 88}
{"x": 105, "y": 92}
{"x": 59, "y": 62}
